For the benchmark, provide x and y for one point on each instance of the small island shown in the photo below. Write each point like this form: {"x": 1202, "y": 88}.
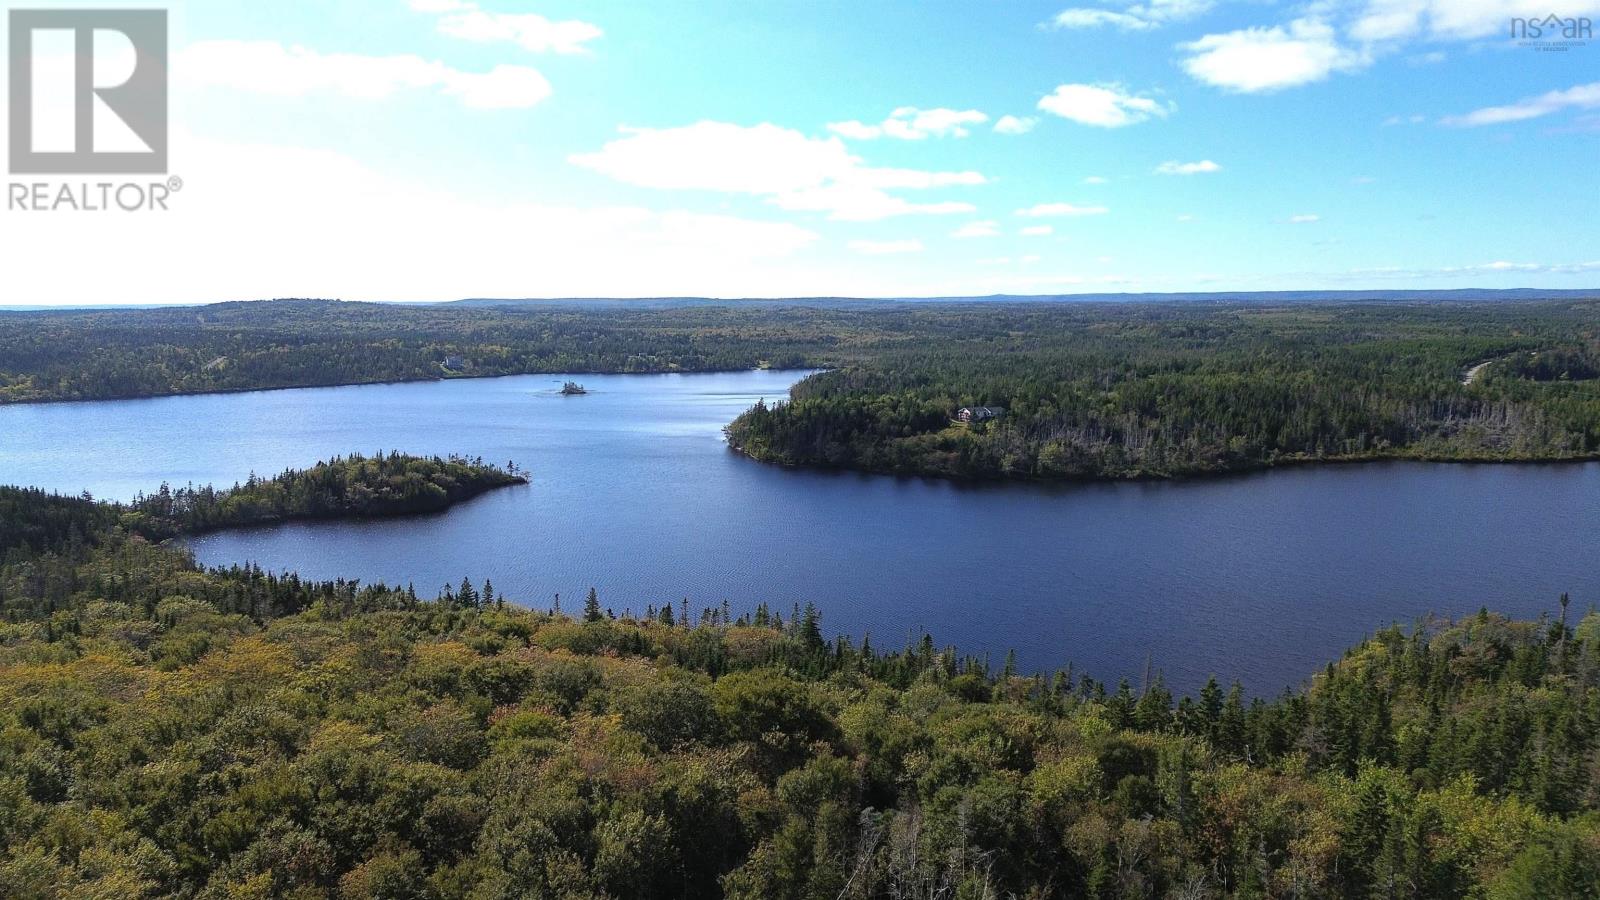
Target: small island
{"x": 572, "y": 388}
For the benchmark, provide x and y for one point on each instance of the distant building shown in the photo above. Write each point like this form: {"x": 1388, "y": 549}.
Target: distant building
{"x": 454, "y": 363}
{"x": 979, "y": 413}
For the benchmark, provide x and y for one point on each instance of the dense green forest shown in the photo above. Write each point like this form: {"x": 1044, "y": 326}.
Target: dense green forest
{"x": 1173, "y": 390}
{"x": 96, "y": 355}
{"x": 354, "y": 486}
{"x": 170, "y": 731}
{"x": 1090, "y": 389}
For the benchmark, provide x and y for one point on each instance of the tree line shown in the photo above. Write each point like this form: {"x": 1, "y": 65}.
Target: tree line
{"x": 355, "y": 486}
{"x": 110, "y": 354}
{"x": 1178, "y": 390}
{"x": 171, "y": 730}
{"x": 1090, "y": 389}
{"x": 352, "y": 486}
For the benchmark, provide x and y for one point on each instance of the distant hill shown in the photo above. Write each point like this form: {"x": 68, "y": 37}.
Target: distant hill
{"x": 1148, "y": 297}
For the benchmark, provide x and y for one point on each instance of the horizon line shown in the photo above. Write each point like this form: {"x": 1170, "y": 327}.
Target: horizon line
{"x": 1309, "y": 293}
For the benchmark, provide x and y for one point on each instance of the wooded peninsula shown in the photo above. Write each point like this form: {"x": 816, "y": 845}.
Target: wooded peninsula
{"x": 349, "y": 487}
{"x": 168, "y": 730}
{"x": 1083, "y": 389}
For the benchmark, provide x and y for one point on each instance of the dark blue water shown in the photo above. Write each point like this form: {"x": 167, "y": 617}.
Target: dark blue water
{"x": 1263, "y": 577}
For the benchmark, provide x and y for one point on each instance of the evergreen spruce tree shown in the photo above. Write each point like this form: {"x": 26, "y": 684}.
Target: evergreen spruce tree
{"x": 811, "y": 629}
{"x": 1211, "y": 707}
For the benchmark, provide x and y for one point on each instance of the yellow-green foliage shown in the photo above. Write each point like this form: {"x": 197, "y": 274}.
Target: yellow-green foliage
{"x": 157, "y": 740}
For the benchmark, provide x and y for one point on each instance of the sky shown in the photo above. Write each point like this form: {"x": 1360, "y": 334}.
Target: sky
{"x": 442, "y": 149}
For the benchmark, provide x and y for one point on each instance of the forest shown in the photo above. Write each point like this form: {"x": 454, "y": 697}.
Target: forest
{"x": 111, "y": 354}
{"x": 168, "y": 730}
{"x": 1090, "y": 389}
{"x": 1177, "y": 390}
{"x": 349, "y": 487}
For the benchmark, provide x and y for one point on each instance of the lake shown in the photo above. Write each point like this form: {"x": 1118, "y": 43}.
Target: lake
{"x": 1263, "y": 577}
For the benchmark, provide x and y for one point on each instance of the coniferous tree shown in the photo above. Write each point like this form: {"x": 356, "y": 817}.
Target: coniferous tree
{"x": 811, "y": 628}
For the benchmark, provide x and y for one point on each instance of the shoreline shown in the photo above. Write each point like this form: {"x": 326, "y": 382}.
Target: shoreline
{"x": 4, "y": 403}
{"x": 466, "y": 496}
{"x": 1286, "y": 462}
{"x": 1141, "y": 478}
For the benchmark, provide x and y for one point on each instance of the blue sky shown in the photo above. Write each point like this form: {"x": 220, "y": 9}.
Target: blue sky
{"x": 443, "y": 148}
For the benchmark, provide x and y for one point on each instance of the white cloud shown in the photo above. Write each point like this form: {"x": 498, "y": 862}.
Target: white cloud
{"x": 1304, "y": 219}
{"x": 1083, "y": 17}
{"x": 1577, "y": 268}
{"x": 908, "y": 123}
{"x": 502, "y": 87}
{"x": 466, "y": 21}
{"x": 859, "y": 194}
{"x": 1583, "y": 96}
{"x": 1102, "y": 105}
{"x": 915, "y": 178}
{"x": 1135, "y": 17}
{"x": 1384, "y": 20}
{"x": 1015, "y": 125}
{"x": 339, "y": 229}
{"x": 1042, "y": 210}
{"x": 856, "y": 131}
{"x": 1398, "y": 20}
{"x": 717, "y": 156}
{"x": 1173, "y": 167}
{"x": 981, "y": 229}
{"x": 267, "y": 67}
{"x": 1254, "y": 60}
{"x": 1334, "y": 36}
{"x": 885, "y": 248}
{"x": 860, "y": 203}
{"x": 1037, "y": 231}
{"x": 1498, "y": 267}
{"x": 1095, "y": 179}
{"x": 787, "y": 168}
{"x": 1185, "y": 217}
